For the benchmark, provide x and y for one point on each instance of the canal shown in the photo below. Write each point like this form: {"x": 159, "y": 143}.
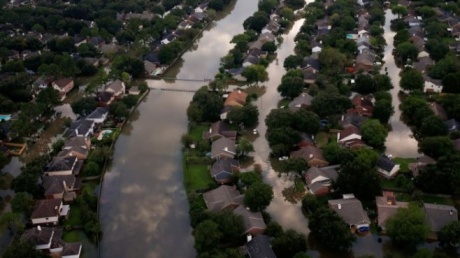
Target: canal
{"x": 143, "y": 206}
{"x": 400, "y": 141}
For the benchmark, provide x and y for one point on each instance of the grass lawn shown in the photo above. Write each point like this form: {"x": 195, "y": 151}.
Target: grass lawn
{"x": 437, "y": 199}
{"x": 322, "y": 138}
{"x": 198, "y": 177}
{"x": 389, "y": 184}
{"x": 197, "y": 131}
{"x": 404, "y": 163}
{"x": 403, "y": 197}
{"x": 74, "y": 216}
{"x": 71, "y": 236}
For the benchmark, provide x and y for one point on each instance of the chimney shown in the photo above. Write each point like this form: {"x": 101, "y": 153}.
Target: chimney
{"x": 39, "y": 228}
{"x": 340, "y": 206}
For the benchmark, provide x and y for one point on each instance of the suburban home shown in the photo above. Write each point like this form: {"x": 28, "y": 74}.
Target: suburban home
{"x": 311, "y": 64}
{"x": 50, "y": 240}
{"x": 272, "y": 27}
{"x": 153, "y": 58}
{"x": 351, "y": 211}
{"x": 223, "y": 197}
{"x": 316, "y": 48}
{"x": 306, "y": 140}
{"x": 352, "y": 119}
{"x": 149, "y": 67}
{"x": 77, "y": 141}
{"x": 267, "y": 37}
{"x": 257, "y": 53}
{"x": 168, "y": 39}
{"x": 82, "y": 128}
{"x": 219, "y": 129}
{"x": 40, "y": 237}
{"x": 319, "y": 180}
{"x": 41, "y": 83}
{"x": 202, "y": 7}
{"x": 223, "y": 148}
{"x": 349, "y": 133}
{"x": 63, "y": 86}
{"x": 81, "y": 153}
{"x": 259, "y": 247}
{"x": 301, "y": 101}
{"x": 422, "y": 64}
{"x": 452, "y": 125}
{"x": 224, "y": 112}
{"x": 61, "y": 166}
{"x": 309, "y": 77}
{"x": 412, "y": 21}
{"x": 109, "y": 48}
{"x": 420, "y": 164}
{"x": 418, "y": 42}
{"x": 104, "y": 98}
{"x": 134, "y": 90}
{"x": 236, "y": 99}
{"x": 387, "y": 206}
{"x": 438, "y": 215}
{"x": 237, "y": 74}
{"x": 253, "y": 221}
{"x": 185, "y": 25}
{"x": 71, "y": 250}
{"x": 438, "y": 110}
{"x": 386, "y": 167}
{"x": 222, "y": 170}
{"x": 99, "y": 115}
{"x": 49, "y": 211}
{"x": 256, "y": 45}
{"x": 312, "y": 154}
{"x": 250, "y": 60}
{"x": 365, "y": 61}
{"x": 117, "y": 87}
{"x": 362, "y": 105}
{"x": 61, "y": 187}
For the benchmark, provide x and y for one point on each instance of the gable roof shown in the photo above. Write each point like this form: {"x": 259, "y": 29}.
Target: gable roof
{"x": 98, "y": 113}
{"x": 219, "y": 128}
{"x": 115, "y": 86}
{"x": 259, "y": 247}
{"x": 76, "y": 141}
{"x": 350, "y": 210}
{"x": 309, "y": 153}
{"x": 347, "y": 131}
{"x": 61, "y": 163}
{"x": 71, "y": 249}
{"x": 46, "y": 208}
{"x": 438, "y": 110}
{"x": 354, "y": 119}
{"x": 55, "y": 184}
{"x": 387, "y": 206}
{"x": 438, "y": 215}
{"x": 61, "y": 83}
{"x": 251, "y": 219}
{"x": 326, "y": 172}
{"x": 223, "y": 146}
{"x": 224, "y": 165}
{"x": 38, "y": 235}
{"x": 221, "y": 197}
{"x": 303, "y": 100}
{"x": 385, "y": 163}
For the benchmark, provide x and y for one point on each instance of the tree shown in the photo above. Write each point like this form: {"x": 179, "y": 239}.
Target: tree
{"x": 364, "y": 84}
{"x": 301, "y": 255}
{"x": 306, "y": 121}
{"x": 405, "y": 51}
{"x": 336, "y": 154}
{"x": 310, "y": 203}
{"x": 374, "y": 133}
{"x": 249, "y": 178}
{"x": 205, "y": 106}
{"x": 401, "y": 37}
{"x": 291, "y": 87}
{"x": 255, "y": 74}
{"x": 332, "y": 61}
{"x": 383, "y": 110}
{"x": 23, "y": 203}
{"x": 411, "y": 80}
{"x": 325, "y": 104}
{"x": 91, "y": 169}
{"x": 244, "y": 147}
{"x": 282, "y": 139}
{"x": 256, "y": 22}
{"x": 401, "y": 11}
{"x": 433, "y": 126}
{"x": 297, "y": 165}
{"x": 217, "y": 5}
{"x": 118, "y": 109}
{"x": 289, "y": 243}
{"x": 451, "y": 83}
{"x": 267, "y": 5}
{"x": 230, "y": 225}
{"x": 27, "y": 182}
{"x": 292, "y": 62}
{"x": 132, "y": 66}
{"x": 207, "y": 235}
{"x": 302, "y": 48}
{"x": 287, "y": 13}
{"x": 84, "y": 106}
{"x": 258, "y": 196}
{"x": 23, "y": 249}
{"x": 295, "y": 4}
{"x": 279, "y": 118}
{"x": 450, "y": 234}
{"x": 329, "y": 228}
{"x": 49, "y": 97}
{"x": 436, "y": 146}
{"x": 248, "y": 115}
{"x": 270, "y": 47}
{"x": 407, "y": 227}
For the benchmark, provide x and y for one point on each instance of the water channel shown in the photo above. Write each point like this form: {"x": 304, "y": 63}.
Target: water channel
{"x": 144, "y": 210}
{"x": 400, "y": 142}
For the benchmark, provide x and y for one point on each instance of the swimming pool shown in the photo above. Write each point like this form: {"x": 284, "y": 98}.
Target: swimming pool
{"x": 5, "y": 117}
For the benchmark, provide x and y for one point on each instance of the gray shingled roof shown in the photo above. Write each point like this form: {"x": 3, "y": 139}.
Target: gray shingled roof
{"x": 437, "y": 215}
{"x": 385, "y": 163}
{"x": 303, "y": 100}
{"x": 259, "y": 247}
{"x": 386, "y": 209}
{"x": 350, "y": 210}
{"x": 251, "y": 219}
{"x": 62, "y": 163}
{"x": 98, "y": 113}
{"x": 37, "y": 236}
{"x": 71, "y": 249}
{"x": 55, "y": 184}
{"x": 223, "y": 146}
{"x": 221, "y": 197}
{"x": 223, "y": 168}
{"x": 46, "y": 208}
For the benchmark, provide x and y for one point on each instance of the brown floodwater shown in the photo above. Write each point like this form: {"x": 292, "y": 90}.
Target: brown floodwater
{"x": 143, "y": 207}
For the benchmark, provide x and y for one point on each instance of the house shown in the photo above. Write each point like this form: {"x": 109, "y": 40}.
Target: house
{"x": 63, "y": 86}
{"x": 351, "y": 211}
{"x": 77, "y": 141}
{"x": 223, "y": 148}
{"x": 236, "y": 99}
{"x": 319, "y": 180}
{"x": 418, "y": 42}
{"x": 49, "y": 211}
{"x": 237, "y": 74}
{"x": 312, "y": 154}
{"x": 71, "y": 250}
{"x": 259, "y": 247}
{"x": 349, "y": 133}
{"x": 352, "y": 119}
{"x": 386, "y": 167}
{"x": 223, "y": 197}
{"x": 224, "y": 112}
{"x": 117, "y": 87}
{"x": 41, "y": 83}
{"x": 309, "y": 77}
{"x": 452, "y": 125}
{"x": 422, "y": 64}
{"x": 50, "y": 240}
{"x": 272, "y": 27}
{"x": 317, "y": 48}
{"x": 362, "y": 105}
{"x": 438, "y": 110}
{"x": 109, "y": 48}
{"x": 438, "y": 215}
{"x": 149, "y": 67}
{"x": 104, "y": 98}
{"x": 267, "y": 37}
{"x": 306, "y": 140}
{"x": 185, "y": 25}
{"x": 40, "y": 237}
{"x": 222, "y": 170}
{"x": 253, "y": 221}
{"x": 82, "y": 127}
{"x": 387, "y": 206}
{"x": 152, "y": 57}
{"x": 250, "y": 60}
{"x": 311, "y": 64}
{"x": 80, "y": 153}
{"x": 61, "y": 166}
{"x": 416, "y": 31}
{"x": 365, "y": 61}
{"x": 219, "y": 129}
{"x": 202, "y": 7}
{"x": 99, "y": 115}
{"x": 420, "y": 164}
{"x": 301, "y": 101}
{"x": 61, "y": 187}
{"x": 168, "y": 39}
{"x": 412, "y": 21}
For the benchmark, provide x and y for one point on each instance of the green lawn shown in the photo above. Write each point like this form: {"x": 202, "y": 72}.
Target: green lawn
{"x": 437, "y": 200}
{"x": 404, "y": 163}
{"x": 197, "y": 131}
{"x": 74, "y": 216}
{"x": 71, "y": 236}
{"x": 198, "y": 177}
{"x": 322, "y": 138}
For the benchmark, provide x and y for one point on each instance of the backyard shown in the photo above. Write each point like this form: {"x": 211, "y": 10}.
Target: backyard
{"x": 197, "y": 177}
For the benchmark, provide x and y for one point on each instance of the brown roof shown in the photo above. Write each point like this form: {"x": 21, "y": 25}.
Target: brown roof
{"x": 438, "y": 110}
{"x": 38, "y": 235}
{"x": 387, "y": 207}
{"x": 222, "y": 197}
{"x": 71, "y": 249}
{"x": 61, "y": 83}
{"x": 251, "y": 220}
{"x": 237, "y": 96}
{"x": 349, "y": 130}
{"x": 46, "y": 208}
{"x": 55, "y": 184}
{"x": 309, "y": 153}
{"x": 219, "y": 129}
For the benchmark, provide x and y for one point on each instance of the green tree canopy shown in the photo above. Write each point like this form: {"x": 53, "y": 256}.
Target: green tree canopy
{"x": 407, "y": 227}
{"x": 255, "y": 74}
{"x": 289, "y": 243}
{"x": 450, "y": 234}
{"x": 374, "y": 133}
{"x": 23, "y": 203}
{"x": 411, "y": 80}
{"x": 258, "y": 196}
{"x": 432, "y": 126}
{"x": 436, "y": 146}
{"x": 291, "y": 87}
{"x": 248, "y": 115}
